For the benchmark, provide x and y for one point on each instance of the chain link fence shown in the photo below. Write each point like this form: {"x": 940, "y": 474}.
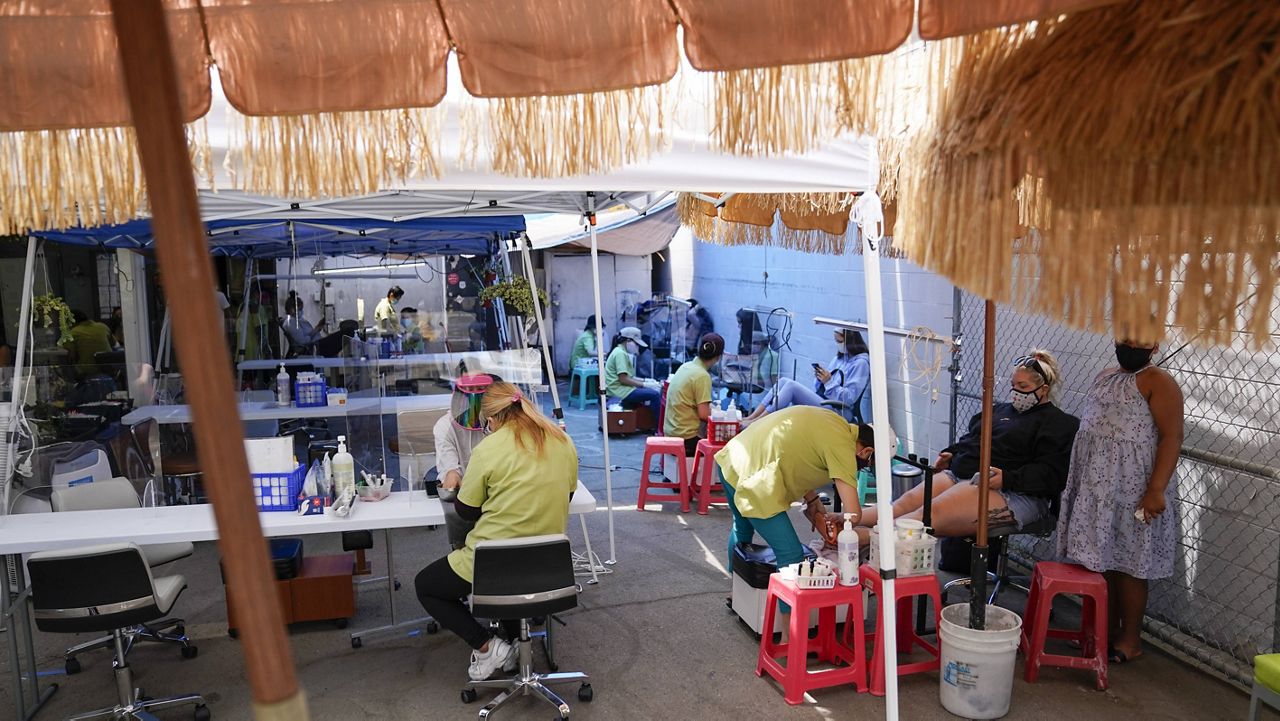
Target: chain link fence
{"x": 1220, "y": 607}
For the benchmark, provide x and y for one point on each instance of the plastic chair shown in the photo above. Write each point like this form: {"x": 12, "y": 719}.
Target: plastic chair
{"x": 794, "y": 676}
{"x": 664, "y": 446}
{"x": 905, "y": 589}
{"x": 1047, "y": 581}
{"x": 702, "y": 484}
{"x": 1266, "y": 683}
{"x": 585, "y": 377}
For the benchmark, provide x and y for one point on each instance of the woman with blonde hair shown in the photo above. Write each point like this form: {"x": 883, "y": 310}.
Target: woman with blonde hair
{"x": 517, "y": 484}
{"x": 1030, "y": 452}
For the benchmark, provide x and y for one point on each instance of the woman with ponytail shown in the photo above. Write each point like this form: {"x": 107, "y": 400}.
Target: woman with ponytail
{"x": 517, "y": 484}
{"x": 689, "y": 394}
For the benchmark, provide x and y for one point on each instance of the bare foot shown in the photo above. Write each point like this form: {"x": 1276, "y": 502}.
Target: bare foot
{"x": 1121, "y": 654}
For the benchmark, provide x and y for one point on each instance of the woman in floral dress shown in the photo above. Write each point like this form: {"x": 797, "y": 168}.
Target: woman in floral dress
{"x": 1113, "y": 518}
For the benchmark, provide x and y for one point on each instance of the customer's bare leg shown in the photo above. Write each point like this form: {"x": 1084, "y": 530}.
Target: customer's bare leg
{"x": 1133, "y": 603}
{"x": 910, "y": 501}
{"x": 955, "y": 512}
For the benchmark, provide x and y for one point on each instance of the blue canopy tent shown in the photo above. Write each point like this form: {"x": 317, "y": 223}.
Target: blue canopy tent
{"x": 282, "y": 238}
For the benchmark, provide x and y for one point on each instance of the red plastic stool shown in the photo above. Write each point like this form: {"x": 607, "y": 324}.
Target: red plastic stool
{"x": 905, "y": 589}
{"x": 664, "y": 446}
{"x": 850, "y": 660}
{"x": 1049, "y": 580}
{"x": 704, "y": 487}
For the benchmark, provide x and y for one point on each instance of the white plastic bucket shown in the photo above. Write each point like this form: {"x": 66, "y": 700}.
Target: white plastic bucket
{"x": 977, "y": 666}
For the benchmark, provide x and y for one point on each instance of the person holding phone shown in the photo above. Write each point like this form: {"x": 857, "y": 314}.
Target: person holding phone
{"x": 846, "y": 380}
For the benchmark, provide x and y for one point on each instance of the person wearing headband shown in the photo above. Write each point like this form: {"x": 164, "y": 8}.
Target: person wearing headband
{"x": 456, "y": 436}
{"x": 620, "y": 374}
{"x": 1031, "y": 442}
{"x": 517, "y": 485}
{"x": 689, "y": 394}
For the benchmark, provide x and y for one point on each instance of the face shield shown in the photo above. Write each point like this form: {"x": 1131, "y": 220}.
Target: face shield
{"x": 468, "y": 392}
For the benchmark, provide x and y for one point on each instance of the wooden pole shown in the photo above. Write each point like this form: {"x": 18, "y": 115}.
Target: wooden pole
{"x": 978, "y": 560}
{"x": 148, "y": 65}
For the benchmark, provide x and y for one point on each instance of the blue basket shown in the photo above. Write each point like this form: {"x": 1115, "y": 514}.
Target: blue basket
{"x": 310, "y": 394}
{"x": 279, "y": 491}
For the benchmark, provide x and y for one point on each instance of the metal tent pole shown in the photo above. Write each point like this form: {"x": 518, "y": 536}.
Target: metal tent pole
{"x": 19, "y": 388}
{"x": 604, "y": 413}
{"x": 556, "y": 410}
{"x": 868, "y": 212}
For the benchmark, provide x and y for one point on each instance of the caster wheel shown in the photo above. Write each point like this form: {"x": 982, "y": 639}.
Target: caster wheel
{"x": 433, "y": 627}
{"x": 553, "y": 666}
{"x": 468, "y": 695}
{"x": 585, "y": 693}
{"x": 233, "y": 633}
{"x": 72, "y": 666}
{"x": 202, "y": 713}
{"x": 356, "y": 643}
{"x": 340, "y": 622}
{"x": 190, "y": 651}
{"x": 397, "y": 584}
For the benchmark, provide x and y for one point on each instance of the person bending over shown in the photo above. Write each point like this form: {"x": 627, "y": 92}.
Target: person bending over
{"x": 517, "y": 485}
{"x": 1030, "y": 451}
{"x": 620, "y": 374}
{"x": 845, "y": 381}
{"x": 689, "y": 394}
{"x": 785, "y": 458}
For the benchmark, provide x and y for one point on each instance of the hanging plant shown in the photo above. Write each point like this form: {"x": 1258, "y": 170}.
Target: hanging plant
{"x": 515, "y": 296}
{"x": 45, "y": 306}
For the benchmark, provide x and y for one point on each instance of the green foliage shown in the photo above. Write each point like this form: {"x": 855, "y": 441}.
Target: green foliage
{"x": 45, "y": 306}
{"x": 515, "y": 296}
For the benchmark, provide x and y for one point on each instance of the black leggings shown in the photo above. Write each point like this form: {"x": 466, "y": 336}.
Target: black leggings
{"x": 443, "y": 592}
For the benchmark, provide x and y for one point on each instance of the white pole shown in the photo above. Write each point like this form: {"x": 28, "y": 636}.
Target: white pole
{"x": 867, "y": 211}
{"x": 604, "y": 415}
{"x": 19, "y": 388}
{"x": 542, "y": 331}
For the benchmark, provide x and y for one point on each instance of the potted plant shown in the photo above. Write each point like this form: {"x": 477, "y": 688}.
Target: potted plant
{"x": 46, "y": 308}
{"x": 515, "y": 295}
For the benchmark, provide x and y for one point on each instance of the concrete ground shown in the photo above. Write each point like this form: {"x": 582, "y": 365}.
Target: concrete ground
{"x": 654, "y": 635}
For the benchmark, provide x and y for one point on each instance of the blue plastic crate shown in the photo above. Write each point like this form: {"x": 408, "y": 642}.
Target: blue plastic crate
{"x": 279, "y": 491}
{"x": 310, "y": 394}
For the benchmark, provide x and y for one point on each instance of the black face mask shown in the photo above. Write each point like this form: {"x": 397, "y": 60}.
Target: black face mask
{"x": 1131, "y": 358}
{"x": 863, "y": 464}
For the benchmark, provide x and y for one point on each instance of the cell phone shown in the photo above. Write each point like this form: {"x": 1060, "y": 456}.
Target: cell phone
{"x": 816, "y": 366}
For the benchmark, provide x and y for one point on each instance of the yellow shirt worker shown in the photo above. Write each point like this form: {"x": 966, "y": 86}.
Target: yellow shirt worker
{"x": 785, "y": 457}
{"x": 689, "y": 394}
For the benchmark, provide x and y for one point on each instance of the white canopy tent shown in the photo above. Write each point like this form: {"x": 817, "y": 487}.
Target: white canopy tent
{"x": 844, "y": 165}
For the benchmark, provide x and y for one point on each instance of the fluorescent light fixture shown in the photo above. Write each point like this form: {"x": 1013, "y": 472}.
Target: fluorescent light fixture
{"x": 369, "y": 268}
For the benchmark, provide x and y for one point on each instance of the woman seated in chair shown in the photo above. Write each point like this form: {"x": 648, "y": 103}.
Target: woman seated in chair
{"x": 842, "y": 385}
{"x": 620, "y": 374}
{"x": 518, "y": 484}
{"x": 1030, "y": 452}
{"x": 689, "y": 394}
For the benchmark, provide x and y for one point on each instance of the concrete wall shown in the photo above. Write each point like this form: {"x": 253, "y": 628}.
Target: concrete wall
{"x": 726, "y": 279}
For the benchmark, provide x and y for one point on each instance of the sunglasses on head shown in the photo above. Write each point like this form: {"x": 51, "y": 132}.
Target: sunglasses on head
{"x": 1030, "y": 362}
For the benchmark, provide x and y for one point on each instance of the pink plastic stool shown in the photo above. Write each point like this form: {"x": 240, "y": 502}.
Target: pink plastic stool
{"x": 664, "y": 446}
{"x": 905, "y": 589}
{"x": 850, "y": 660}
{"x": 1048, "y": 580}
{"x": 705, "y": 489}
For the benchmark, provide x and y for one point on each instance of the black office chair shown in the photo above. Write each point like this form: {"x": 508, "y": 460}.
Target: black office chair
{"x": 525, "y": 578}
{"x": 119, "y": 493}
{"x": 1001, "y": 577}
{"x": 107, "y": 588}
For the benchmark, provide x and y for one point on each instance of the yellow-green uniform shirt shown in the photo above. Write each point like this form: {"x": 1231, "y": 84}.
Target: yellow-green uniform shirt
{"x": 86, "y": 339}
{"x": 583, "y": 347}
{"x": 786, "y": 454}
{"x": 690, "y": 386}
{"x": 619, "y": 362}
{"x": 518, "y": 492}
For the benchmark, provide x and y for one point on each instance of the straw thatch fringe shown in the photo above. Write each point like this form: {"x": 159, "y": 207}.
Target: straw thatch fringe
{"x": 333, "y": 154}
{"x": 700, "y": 217}
{"x": 1140, "y": 143}
{"x": 767, "y": 111}
{"x": 568, "y": 135}
{"x": 53, "y": 179}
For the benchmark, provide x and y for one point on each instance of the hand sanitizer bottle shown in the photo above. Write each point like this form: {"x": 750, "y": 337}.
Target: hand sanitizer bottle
{"x": 282, "y": 386}
{"x": 344, "y": 469}
{"x": 847, "y": 554}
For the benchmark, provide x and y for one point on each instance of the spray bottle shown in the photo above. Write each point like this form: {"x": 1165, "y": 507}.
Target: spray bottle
{"x": 344, "y": 469}
{"x": 847, "y": 554}
{"x": 282, "y": 386}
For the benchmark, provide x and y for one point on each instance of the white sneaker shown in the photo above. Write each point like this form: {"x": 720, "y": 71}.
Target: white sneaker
{"x": 483, "y": 665}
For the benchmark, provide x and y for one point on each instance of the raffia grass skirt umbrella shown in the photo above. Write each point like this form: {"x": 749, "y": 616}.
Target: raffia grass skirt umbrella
{"x": 1133, "y": 150}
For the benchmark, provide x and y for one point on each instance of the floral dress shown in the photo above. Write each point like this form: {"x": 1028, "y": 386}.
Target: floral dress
{"x": 1111, "y": 463}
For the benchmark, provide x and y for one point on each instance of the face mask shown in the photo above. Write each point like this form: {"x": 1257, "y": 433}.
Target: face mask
{"x": 863, "y": 463}
{"x": 1024, "y": 401}
{"x": 632, "y": 347}
{"x": 405, "y": 322}
{"x": 1131, "y": 358}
